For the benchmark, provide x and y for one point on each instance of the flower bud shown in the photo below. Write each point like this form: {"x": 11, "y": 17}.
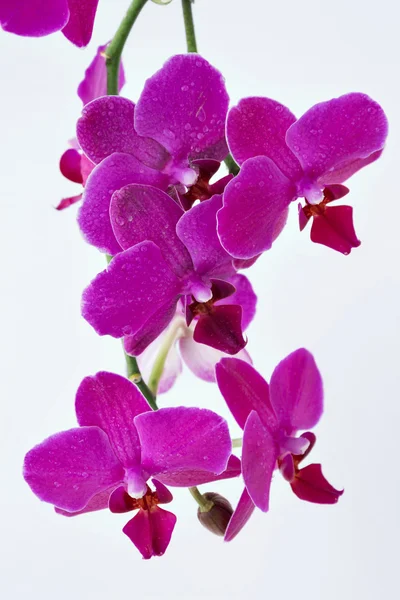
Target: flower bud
{"x": 216, "y": 519}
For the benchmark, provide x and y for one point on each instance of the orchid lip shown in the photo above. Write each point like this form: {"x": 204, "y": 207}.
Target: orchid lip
{"x": 310, "y": 191}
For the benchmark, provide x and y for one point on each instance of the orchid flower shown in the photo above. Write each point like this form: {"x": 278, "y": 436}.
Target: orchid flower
{"x": 167, "y": 255}
{"x": 179, "y": 119}
{"x": 283, "y": 158}
{"x": 119, "y": 444}
{"x": 37, "y": 18}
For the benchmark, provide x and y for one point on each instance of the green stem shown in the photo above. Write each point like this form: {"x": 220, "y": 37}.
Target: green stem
{"x": 162, "y": 355}
{"x": 114, "y": 50}
{"x": 237, "y": 442}
{"x": 189, "y": 26}
{"x": 205, "y": 505}
{"x": 233, "y": 168}
{"x": 135, "y": 376}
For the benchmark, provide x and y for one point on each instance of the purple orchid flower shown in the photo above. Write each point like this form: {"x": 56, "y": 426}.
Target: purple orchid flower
{"x": 283, "y": 158}
{"x": 37, "y": 18}
{"x": 120, "y": 444}
{"x": 200, "y": 359}
{"x": 75, "y": 165}
{"x": 270, "y": 416}
{"x": 178, "y": 120}
{"x": 168, "y": 255}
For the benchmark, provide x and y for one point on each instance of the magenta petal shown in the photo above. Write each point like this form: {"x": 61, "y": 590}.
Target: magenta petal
{"x": 244, "y": 390}
{"x": 310, "y": 485}
{"x": 202, "y": 359}
{"x": 79, "y": 28}
{"x": 70, "y": 467}
{"x": 163, "y": 494}
{"x": 296, "y": 391}
{"x": 123, "y": 299}
{"x": 94, "y": 83}
{"x": 221, "y": 329}
{"x": 111, "y": 402}
{"x": 120, "y": 501}
{"x": 196, "y": 477}
{"x": 141, "y": 212}
{"x": 346, "y": 170}
{"x": 182, "y": 439}
{"x": 332, "y": 134}
{"x": 66, "y": 202}
{"x": 151, "y": 329}
{"x": 106, "y": 126}
{"x": 243, "y": 296}
{"x": 35, "y": 18}
{"x": 151, "y": 531}
{"x": 98, "y": 502}
{"x": 183, "y": 106}
{"x": 241, "y": 515}
{"x": 257, "y": 127}
{"x": 110, "y": 175}
{"x": 259, "y": 456}
{"x": 335, "y": 229}
{"x": 197, "y": 229}
{"x": 255, "y": 205}
{"x": 70, "y": 165}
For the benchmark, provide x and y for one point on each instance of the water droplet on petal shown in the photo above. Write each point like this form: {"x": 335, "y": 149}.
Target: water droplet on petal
{"x": 201, "y": 115}
{"x": 185, "y": 88}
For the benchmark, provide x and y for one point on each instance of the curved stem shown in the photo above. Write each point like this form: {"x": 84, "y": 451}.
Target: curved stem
{"x": 135, "y": 376}
{"x": 237, "y": 442}
{"x": 233, "y": 168}
{"x": 114, "y": 50}
{"x": 189, "y": 26}
{"x": 159, "y": 363}
{"x": 205, "y": 505}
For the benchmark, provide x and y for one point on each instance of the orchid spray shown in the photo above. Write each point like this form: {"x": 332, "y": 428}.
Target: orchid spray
{"x": 182, "y": 193}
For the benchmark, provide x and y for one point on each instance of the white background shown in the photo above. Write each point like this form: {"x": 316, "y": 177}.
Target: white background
{"x": 344, "y": 309}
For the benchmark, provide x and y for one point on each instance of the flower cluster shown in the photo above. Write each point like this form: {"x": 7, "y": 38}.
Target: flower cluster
{"x": 177, "y": 235}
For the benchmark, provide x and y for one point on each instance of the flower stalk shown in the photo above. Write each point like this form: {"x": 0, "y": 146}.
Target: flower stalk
{"x": 159, "y": 363}
{"x": 204, "y": 504}
{"x": 114, "y": 50}
{"x": 189, "y": 26}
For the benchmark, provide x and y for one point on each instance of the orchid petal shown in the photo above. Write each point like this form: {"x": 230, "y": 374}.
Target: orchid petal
{"x": 139, "y": 213}
{"x": 257, "y": 127}
{"x": 35, "y": 18}
{"x": 151, "y": 531}
{"x": 79, "y": 28}
{"x": 296, "y": 391}
{"x": 110, "y": 175}
{"x": 123, "y": 299}
{"x": 94, "y": 83}
{"x": 255, "y": 208}
{"x": 66, "y": 202}
{"x": 189, "y": 478}
{"x": 309, "y": 484}
{"x": 331, "y": 135}
{"x": 106, "y": 126}
{"x": 202, "y": 359}
{"x": 111, "y": 402}
{"x": 70, "y": 165}
{"x": 98, "y": 502}
{"x": 259, "y": 455}
{"x": 163, "y": 494}
{"x": 241, "y": 515}
{"x": 183, "y": 106}
{"x": 182, "y": 439}
{"x": 335, "y": 229}
{"x": 197, "y": 229}
{"x": 244, "y": 296}
{"x": 244, "y": 390}
{"x": 71, "y": 467}
{"x": 221, "y": 329}
{"x": 343, "y": 172}
{"x": 120, "y": 501}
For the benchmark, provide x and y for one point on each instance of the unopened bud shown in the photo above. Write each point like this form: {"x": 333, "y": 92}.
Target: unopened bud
{"x": 217, "y": 517}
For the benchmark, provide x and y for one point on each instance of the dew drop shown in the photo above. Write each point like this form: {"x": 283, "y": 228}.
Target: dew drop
{"x": 185, "y": 88}
{"x": 201, "y": 115}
